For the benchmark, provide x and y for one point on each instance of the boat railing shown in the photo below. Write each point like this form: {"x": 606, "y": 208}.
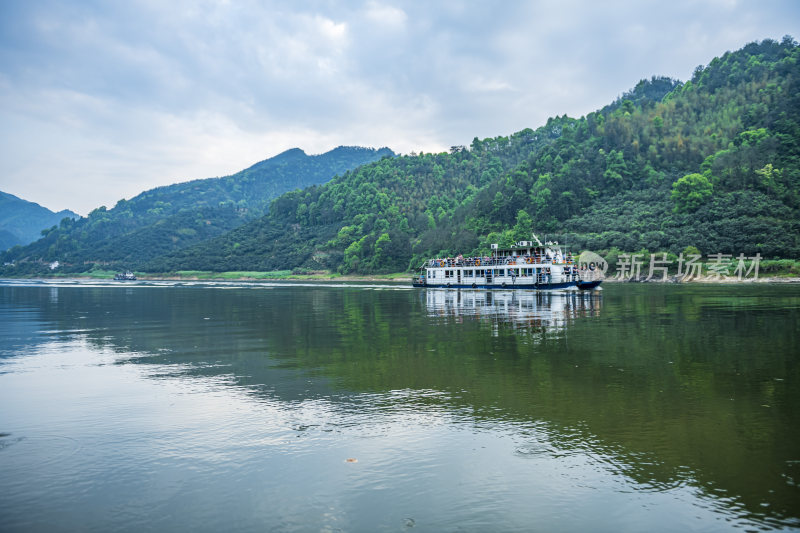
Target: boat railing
{"x": 495, "y": 261}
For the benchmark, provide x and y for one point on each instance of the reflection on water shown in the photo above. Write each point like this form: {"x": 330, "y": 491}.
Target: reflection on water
{"x": 535, "y": 312}
{"x": 237, "y": 406}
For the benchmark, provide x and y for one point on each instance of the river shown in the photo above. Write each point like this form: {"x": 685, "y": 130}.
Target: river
{"x": 201, "y": 406}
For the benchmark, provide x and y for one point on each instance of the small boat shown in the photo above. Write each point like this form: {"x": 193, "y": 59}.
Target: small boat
{"x": 525, "y": 265}
{"x": 127, "y": 276}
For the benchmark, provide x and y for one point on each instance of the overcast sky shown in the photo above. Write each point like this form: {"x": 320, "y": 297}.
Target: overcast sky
{"x": 100, "y": 100}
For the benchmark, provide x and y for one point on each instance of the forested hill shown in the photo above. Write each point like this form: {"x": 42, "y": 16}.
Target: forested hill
{"x": 22, "y": 222}
{"x": 712, "y": 163}
{"x": 168, "y": 218}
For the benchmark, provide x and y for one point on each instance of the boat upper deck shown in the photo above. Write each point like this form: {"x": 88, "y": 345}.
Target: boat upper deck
{"x": 496, "y": 261}
{"x": 524, "y": 252}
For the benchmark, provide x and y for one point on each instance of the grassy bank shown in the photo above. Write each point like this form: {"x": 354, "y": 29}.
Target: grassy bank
{"x": 768, "y": 269}
{"x": 321, "y": 275}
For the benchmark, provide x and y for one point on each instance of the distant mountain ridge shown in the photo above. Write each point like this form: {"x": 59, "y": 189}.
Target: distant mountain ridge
{"x": 168, "y": 218}
{"x": 255, "y": 186}
{"x": 22, "y": 221}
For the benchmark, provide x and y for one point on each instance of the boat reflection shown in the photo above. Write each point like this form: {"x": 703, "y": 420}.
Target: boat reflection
{"x": 535, "y": 312}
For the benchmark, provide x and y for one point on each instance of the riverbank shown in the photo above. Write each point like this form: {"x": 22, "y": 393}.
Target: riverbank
{"x": 397, "y": 277}
{"x": 200, "y": 275}
{"x": 404, "y": 277}
{"x": 228, "y": 276}
{"x": 727, "y": 281}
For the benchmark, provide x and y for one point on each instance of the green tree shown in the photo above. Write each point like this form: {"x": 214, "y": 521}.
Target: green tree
{"x": 616, "y": 168}
{"x": 522, "y": 229}
{"x": 690, "y": 192}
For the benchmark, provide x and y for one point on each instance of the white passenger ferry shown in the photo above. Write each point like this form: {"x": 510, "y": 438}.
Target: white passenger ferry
{"x": 526, "y": 265}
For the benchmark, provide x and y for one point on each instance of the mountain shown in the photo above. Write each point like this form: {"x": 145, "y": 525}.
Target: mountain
{"x": 21, "y": 221}
{"x": 165, "y": 219}
{"x": 712, "y": 163}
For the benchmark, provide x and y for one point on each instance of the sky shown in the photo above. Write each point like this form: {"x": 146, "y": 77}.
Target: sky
{"x": 101, "y": 100}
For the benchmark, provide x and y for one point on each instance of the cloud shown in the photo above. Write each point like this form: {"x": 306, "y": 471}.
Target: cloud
{"x": 102, "y": 100}
{"x": 386, "y": 16}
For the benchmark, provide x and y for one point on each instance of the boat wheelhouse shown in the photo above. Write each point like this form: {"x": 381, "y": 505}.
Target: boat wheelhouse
{"x": 526, "y": 265}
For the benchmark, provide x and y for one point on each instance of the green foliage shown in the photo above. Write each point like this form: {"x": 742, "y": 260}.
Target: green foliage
{"x": 691, "y": 250}
{"x": 690, "y": 192}
{"x": 747, "y": 222}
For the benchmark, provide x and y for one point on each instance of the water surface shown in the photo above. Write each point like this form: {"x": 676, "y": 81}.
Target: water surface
{"x": 368, "y": 407}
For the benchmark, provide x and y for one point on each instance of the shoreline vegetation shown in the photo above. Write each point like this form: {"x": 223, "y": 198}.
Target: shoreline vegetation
{"x": 201, "y": 275}
{"x": 620, "y": 267}
{"x": 398, "y": 277}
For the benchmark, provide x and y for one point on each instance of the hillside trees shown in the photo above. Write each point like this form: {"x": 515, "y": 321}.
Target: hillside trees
{"x": 722, "y": 148}
{"x": 165, "y": 219}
